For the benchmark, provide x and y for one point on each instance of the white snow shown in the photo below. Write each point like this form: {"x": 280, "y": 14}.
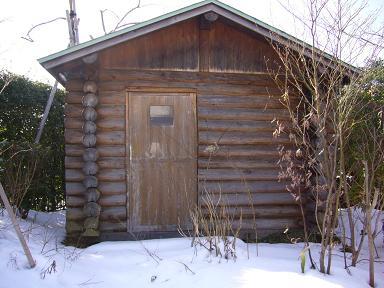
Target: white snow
{"x": 358, "y": 220}
{"x": 174, "y": 263}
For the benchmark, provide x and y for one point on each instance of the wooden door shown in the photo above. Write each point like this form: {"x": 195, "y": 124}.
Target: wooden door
{"x": 162, "y": 173}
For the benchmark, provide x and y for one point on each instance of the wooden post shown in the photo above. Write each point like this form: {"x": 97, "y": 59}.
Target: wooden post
{"x": 46, "y": 112}
{"x": 73, "y": 23}
{"x": 20, "y": 235}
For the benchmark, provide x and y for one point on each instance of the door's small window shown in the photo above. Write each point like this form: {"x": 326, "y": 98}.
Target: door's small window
{"x": 161, "y": 115}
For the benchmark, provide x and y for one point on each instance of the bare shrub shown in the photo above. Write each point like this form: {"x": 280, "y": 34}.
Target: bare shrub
{"x": 18, "y": 167}
{"x": 322, "y": 115}
{"x": 212, "y": 226}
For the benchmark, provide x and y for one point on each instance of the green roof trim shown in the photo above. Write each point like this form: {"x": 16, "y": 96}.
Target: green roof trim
{"x": 176, "y": 13}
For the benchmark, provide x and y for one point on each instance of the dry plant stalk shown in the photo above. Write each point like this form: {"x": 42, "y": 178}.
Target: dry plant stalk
{"x": 212, "y": 225}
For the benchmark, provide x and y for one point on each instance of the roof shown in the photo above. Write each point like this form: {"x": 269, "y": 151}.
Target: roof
{"x": 168, "y": 19}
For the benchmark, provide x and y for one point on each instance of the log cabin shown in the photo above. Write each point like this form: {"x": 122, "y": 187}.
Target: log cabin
{"x": 169, "y": 114}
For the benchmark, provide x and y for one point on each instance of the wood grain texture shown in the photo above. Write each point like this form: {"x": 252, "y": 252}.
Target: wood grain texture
{"x": 257, "y": 199}
{"x": 163, "y": 161}
{"x": 238, "y": 187}
{"x": 238, "y": 104}
{"x": 141, "y": 53}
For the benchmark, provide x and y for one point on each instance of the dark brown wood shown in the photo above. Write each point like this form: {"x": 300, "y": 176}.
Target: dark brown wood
{"x": 91, "y": 223}
{"x": 92, "y": 209}
{"x": 205, "y": 88}
{"x": 109, "y": 111}
{"x": 111, "y": 124}
{"x": 90, "y": 168}
{"x": 241, "y": 138}
{"x": 113, "y": 200}
{"x": 73, "y": 110}
{"x": 90, "y": 182}
{"x": 76, "y": 214}
{"x": 111, "y": 162}
{"x": 74, "y": 188}
{"x": 133, "y": 75}
{"x": 74, "y": 175}
{"x": 90, "y": 154}
{"x": 141, "y": 53}
{"x": 239, "y": 174}
{"x": 265, "y": 211}
{"x": 73, "y": 162}
{"x": 118, "y": 214}
{"x": 90, "y": 87}
{"x": 163, "y": 161}
{"x": 204, "y": 46}
{"x": 242, "y": 114}
{"x": 111, "y": 175}
{"x": 113, "y": 188}
{"x": 89, "y": 140}
{"x": 73, "y": 123}
{"x": 261, "y": 102}
{"x": 235, "y": 153}
{"x": 92, "y": 195}
{"x": 245, "y": 187}
{"x": 246, "y": 200}
{"x": 236, "y": 164}
{"x": 241, "y": 125}
{"x": 244, "y": 151}
{"x": 89, "y": 114}
{"x": 111, "y": 151}
{"x": 75, "y": 201}
{"x": 89, "y": 127}
{"x": 90, "y": 100}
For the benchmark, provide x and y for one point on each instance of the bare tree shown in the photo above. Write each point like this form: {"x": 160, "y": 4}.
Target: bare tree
{"x": 321, "y": 115}
{"x": 120, "y": 20}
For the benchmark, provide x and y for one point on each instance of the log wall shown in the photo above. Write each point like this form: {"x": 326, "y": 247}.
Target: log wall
{"x": 111, "y": 160}
{"x": 237, "y": 153}
{"x": 238, "y": 105}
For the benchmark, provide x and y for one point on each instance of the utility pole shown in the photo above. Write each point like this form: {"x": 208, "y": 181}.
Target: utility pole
{"x": 73, "y": 31}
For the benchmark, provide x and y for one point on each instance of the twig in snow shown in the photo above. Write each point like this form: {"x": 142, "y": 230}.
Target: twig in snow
{"x": 49, "y": 270}
{"x": 156, "y": 258}
{"x": 88, "y": 282}
{"x": 186, "y": 267}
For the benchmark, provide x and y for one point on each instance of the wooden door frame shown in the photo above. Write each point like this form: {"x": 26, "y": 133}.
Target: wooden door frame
{"x": 149, "y": 90}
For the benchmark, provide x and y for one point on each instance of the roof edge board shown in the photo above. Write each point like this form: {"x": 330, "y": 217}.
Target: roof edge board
{"x": 118, "y": 39}
{"x": 174, "y": 17}
{"x": 118, "y": 33}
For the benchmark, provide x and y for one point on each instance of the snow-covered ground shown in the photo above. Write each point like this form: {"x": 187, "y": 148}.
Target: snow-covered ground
{"x": 159, "y": 263}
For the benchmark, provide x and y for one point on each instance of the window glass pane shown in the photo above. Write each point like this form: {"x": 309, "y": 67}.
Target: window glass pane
{"x": 161, "y": 115}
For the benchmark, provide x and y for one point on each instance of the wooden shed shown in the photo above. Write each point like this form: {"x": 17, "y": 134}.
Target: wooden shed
{"x": 163, "y": 114}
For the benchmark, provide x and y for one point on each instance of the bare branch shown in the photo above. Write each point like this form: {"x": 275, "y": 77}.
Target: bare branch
{"x": 7, "y": 78}
{"x": 128, "y": 24}
{"x": 28, "y": 37}
{"x": 102, "y": 20}
{"x": 118, "y": 25}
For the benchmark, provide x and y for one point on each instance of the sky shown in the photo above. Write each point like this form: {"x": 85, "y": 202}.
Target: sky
{"x": 18, "y": 16}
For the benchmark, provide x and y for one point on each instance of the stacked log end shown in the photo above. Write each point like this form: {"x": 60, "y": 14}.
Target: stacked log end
{"x": 90, "y": 168}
